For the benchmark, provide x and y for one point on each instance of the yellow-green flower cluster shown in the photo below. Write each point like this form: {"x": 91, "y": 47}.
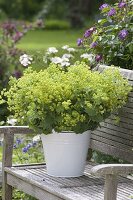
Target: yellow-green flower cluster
{"x": 76, "y": 100}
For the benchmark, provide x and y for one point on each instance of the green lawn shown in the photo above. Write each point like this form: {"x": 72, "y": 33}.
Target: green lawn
{"x": 42, "y": 39}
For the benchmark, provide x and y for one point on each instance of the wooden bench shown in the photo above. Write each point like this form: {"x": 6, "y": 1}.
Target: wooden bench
{"x": 98, "y": 183}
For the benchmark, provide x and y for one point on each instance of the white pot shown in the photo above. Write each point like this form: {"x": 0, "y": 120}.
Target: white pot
{"x": 65, "y": 153}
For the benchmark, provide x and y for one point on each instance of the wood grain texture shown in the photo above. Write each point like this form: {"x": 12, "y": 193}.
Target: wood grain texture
{"x": 37, "y": 182}
{"x": 15, "y": 129}
{"x": 7, "y": 162}
{"x": 112, "y": 150}
{"x": 110, "y": 188}
{"x": 114, "y": 169}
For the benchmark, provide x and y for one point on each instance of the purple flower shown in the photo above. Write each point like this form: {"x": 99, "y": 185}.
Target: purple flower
{"x": 89, "y": 32}
{"x": 34, "y": 144}
{"x": 15, "y": 146}
{"x": 17, "y": 36}
{"x": 79, "y": 41}
{"x": 111, "y": 12}
{"x": 18, "y": 141}
{"x": 122, "y": 4}
{"x": 17, "y": 74}
{"x": 98, "y": 57}
{"x": 9, "y": 28}
{"x": 24, "y": 150}
{"x": 105, "y": 5}
{"x": 123, "y": 34}
{"x": 29, "y": 146}
{"x": 93, "y": 44}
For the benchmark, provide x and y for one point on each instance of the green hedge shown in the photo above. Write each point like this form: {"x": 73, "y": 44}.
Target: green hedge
{"x": 55, "y": 24}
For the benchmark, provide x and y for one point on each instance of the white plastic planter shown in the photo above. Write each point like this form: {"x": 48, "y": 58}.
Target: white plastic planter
{"x": 65, "y": 153}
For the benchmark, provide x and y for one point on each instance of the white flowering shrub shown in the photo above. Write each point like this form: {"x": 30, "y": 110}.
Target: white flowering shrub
{"x": 64, "y": 56}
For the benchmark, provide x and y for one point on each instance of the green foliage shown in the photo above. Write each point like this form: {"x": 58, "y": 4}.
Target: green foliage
{"x": 105, "y": 159}
{"x": 10, "y": 34}
{"x": 21, "y": 9}
{"x": 77, "y": 99}
{"x": 55, "y": 24}
{"x": 111, "y": 37}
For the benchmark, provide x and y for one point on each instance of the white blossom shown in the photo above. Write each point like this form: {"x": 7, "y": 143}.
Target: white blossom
{"x": 45, "y": 60}
{"x": 65, "y": 63}
{"x": 65, "y": 47}
{"x": 67, "y": 55}
{"x": 12, "y": 121}
{"x": 56, "y": 60}
{"x": 51, "y": 50}
{"x": 64, "y": 59}
{"x": 90, "y": 57}
{"x": 25, "y": 60}
{"x": 71, "y": 49}
{"x": 36, "y": 138}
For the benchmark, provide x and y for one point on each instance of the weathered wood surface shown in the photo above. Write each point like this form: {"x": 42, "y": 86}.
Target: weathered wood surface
{"x": 114, "y": 169}
{"x": 110, "y": 187}
{"x": 0, "y": 173}
{"x": 115, "y": 138}
{"x": 15, "y": 130}
{"x": 7, "y": 162}
{"x": 36, "y": 182}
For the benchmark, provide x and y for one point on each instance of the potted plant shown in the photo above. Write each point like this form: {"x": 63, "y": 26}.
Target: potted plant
{"x": 110, "y": 39}
{"x": 62, "y": 104}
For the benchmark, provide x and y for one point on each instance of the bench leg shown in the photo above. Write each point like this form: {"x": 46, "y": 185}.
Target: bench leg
{"x": 6, "y": 190}
{"x": 110, "y": 188}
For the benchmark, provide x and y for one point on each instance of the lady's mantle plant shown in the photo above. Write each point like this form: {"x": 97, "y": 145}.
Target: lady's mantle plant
{"x": 110, "y": 40}
{"x": 74, "y": 100}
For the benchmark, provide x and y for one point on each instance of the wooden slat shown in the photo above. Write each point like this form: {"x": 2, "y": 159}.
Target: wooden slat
{"x": 120, "y": 125}
{"x": 68, "y": 189}
{"x": 30, "y": 189}
{"x": 127, "y": 115}
{"x": 129, "y": 104}
{"x": 7, "y": 162}
{"x": 131, "y": 94}
{"x": 113, "y": 138}
{"x": 15, "y": 130}
{"x": 127, "y": 110}
{"x": 110, "y": 188}
{"x": 112, "y": 150}
{"x": 118, "y": 130}
{"x": 112, "y": 130}
{"x": 123, "y": 119}
{"x": 111, "y": 142}
{"x": 42, "y": 186}
{"x": 130, "y": 99}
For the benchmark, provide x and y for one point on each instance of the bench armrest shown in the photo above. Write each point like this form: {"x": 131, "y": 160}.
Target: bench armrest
{"x": 15, "y": 130}
{"x": 112, "y": 169}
